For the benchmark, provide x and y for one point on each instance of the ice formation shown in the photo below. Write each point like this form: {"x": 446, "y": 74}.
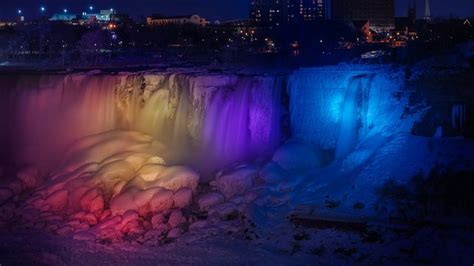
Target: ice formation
{"x": 334, "y": 107}
{"x": 458, "y": 116}
{"x": 229, "y": 117}
{"x": 149, "y": 156}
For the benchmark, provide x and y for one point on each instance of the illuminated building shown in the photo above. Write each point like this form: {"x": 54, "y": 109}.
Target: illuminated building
{"x": 380, "y": 13}
{"x": 158, "y": 20}
{"x": 278, "y": 12}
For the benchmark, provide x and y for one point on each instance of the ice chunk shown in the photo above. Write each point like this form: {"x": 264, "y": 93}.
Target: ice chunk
{"x": 174, "y": 233}
{"x": 176, "y": 219}
{"x": 297, "y": 156}
{"x": 92, "y": 201}
{"x": 29, "y": 176}
{"x": 137, "y": 160}
{"x": 58, "y": 200}
{"x": 150, "y": 172}
{"x": 237, "y": 182}
{"x": 225, "y": 211}
{"x": 183, "y": 198}
{"x": 161, "y": 201}
{"x": 124, "y": 202}
{"x": 5, "y": 194}
{"x": 176, "y": 177}
{"x": 272, "y": 173}
{"x": 157, "y": 220}
{"x": 156, "y": 160}
{"x": 209, "y": 200}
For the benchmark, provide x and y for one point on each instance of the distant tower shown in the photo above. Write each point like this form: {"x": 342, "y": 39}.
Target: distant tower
{"x": 427, "y": 15}
{"x": 412, "y": 13}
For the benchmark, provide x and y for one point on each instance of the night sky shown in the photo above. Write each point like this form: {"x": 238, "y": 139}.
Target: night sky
{"x": 212, "y": 9}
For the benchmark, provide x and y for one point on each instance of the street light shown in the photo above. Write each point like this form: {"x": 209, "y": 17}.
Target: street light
{"x": 43, "y": 9}
{"x": 91, "y": 8}
{"x": 65, "y": 10}
{"x": 19, "y": 11}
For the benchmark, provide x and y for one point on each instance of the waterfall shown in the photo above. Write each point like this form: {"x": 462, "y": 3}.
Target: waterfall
{"x": 204, "y": 120}
{"x": 353, "y": 113}
{"x": 226, "y": 134}
{"x": 348, "y": 122}
{"x": 49, "y": 112}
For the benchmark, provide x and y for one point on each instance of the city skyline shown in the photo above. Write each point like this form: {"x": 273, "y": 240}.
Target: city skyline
{"x": 211, "y": 9}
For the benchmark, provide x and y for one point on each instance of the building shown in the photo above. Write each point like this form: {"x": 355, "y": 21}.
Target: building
{"x": 412, "y": 13}
{"x": 304, "y": 10}
{"x": 427, "y": 14}
{"x": 380, "y": 13}
{"x": 63, "y": 17}
{"x": 159, "y": 20}
{"x": 407, "y": 23}
{"x": 7, "y": 24}
{"x": 105, "y": 16}
{"x": 274, "y": 13}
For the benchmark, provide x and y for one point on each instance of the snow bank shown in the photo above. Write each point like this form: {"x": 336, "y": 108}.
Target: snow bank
{"x": 107, "y": 182}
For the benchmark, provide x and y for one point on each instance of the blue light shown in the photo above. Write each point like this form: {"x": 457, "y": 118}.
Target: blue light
{"x": 65, "y": 10}
{"x": 91, "y": 8}
{"x": 19, "y": 11}
{"x": 43, "y": 9}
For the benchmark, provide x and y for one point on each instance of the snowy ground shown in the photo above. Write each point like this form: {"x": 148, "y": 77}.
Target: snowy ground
{"x": 297, "y": 246}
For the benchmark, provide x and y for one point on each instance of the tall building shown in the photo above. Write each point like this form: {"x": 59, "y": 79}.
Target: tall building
{"x": 159, "y": 20}
{"x": 380, "y": 13}
{"x": 275, "y": 13}
{"x": 412, "y": 13}
{"x": 427, "y": 15}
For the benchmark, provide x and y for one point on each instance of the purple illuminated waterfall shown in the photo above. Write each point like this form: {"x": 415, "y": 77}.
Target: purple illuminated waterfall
{"x": 226, "y": 133}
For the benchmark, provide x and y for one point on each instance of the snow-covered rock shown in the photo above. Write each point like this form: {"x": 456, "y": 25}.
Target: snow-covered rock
{"x": 225, "y": 211}
{"x": 162, "y": 201}
{"x": 237, "y": 182}
{"x": 297, "y": 156}
{"x": 272, "y": 172}
{"x": 92, "y": 201}
{"x": 29, "y": 176}
{"x": 57, "y": 201}
{"x": 176, "y": 219}
{"x": 157, "y": 220}
{"x": 5, "y": 194}
{"x": 183, "y": 198}
{"x": 208, "y": 200}
{"x": 16, "y": 186}
{"x": 174, "y": 233}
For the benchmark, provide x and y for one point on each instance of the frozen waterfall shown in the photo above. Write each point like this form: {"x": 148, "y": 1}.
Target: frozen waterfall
{"x": 352, "y": 115}
{"x": 206, "y": 120}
